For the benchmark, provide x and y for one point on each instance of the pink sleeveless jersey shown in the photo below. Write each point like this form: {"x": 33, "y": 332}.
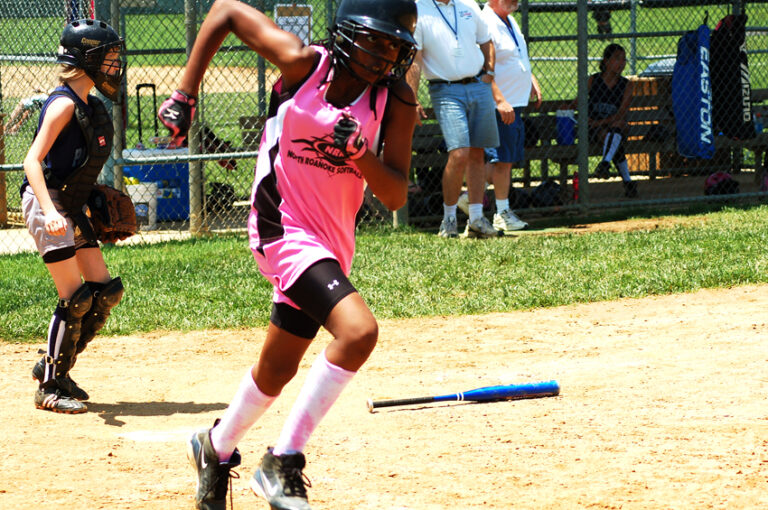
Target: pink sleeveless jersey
{"x": 305, "y": 197}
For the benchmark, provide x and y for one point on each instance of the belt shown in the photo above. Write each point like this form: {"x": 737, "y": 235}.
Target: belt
{"x": 463, "y": 81}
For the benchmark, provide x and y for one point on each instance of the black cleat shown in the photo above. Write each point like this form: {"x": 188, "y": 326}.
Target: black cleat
{"x": 281, "y": 482}
{"x": 630, "y": 189}
{"x": 66, "y": 384}
{"x": 213, "y": 477}
{"x": 52, "y": 399}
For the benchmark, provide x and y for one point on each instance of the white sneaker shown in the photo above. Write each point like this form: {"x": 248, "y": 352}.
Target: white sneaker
{"x": 481, "y": 228}
{"x": 508, "y": 221}
{"x": 448, "y": 228}
{"x": 463, "y": 202}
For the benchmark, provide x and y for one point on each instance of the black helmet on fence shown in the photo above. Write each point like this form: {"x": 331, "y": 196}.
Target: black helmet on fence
{"x": 395, "y": 19}
{"x": 85, "y": 44}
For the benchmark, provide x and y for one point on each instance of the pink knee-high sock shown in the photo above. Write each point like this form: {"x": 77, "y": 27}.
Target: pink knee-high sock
{"x": 247, "y": 406}
{"x": 324, "y": 384}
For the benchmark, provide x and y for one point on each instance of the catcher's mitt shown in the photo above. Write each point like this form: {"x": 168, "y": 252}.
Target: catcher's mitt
{"x": 113, "y": 215}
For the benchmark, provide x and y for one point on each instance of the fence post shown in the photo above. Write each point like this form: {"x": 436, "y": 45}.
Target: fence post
{"x": 400, "y": 217}
{"x": 524, "y": 19}
{"x": 117, "y": 108}
{"x": 582, "y": 69}
{"x": 195, "y": 167}
{"x": 3, "y": 194}
{"x": 261, "y": 73}
{"x": 633, "y": 40}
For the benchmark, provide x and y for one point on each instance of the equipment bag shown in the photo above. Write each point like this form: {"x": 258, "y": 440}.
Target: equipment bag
{"x": 731, "y": 91}
{"x": 692, "y": 96}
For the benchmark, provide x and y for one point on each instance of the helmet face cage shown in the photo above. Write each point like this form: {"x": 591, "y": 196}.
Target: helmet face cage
{"x": 86, "y": 44}
{"x": 106, "y": 73}
{"x": 343, "y": 41}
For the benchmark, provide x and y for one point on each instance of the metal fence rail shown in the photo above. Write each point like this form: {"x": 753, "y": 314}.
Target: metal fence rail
{"x": 205, "y": 187}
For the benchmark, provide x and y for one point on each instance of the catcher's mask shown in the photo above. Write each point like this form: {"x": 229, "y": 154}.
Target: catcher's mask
{"x": 391, "y": 19}
{"x": 85, "y": 44}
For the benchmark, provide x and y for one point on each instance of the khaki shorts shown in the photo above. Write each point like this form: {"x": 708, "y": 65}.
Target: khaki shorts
{"x": 35, "y": 220}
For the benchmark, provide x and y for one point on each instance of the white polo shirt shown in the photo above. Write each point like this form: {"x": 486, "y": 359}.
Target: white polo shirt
{"x": 448, "y": 36}
{"x": 513, "y": 68}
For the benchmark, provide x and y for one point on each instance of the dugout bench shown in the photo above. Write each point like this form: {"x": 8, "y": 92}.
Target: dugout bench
{"x": 650, "y": 146}
{"x": 650, "y": 114}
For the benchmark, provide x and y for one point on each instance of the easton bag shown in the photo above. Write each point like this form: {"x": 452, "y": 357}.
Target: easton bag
{"x": 731, "y": 91}
{"x": 692, "y": 96}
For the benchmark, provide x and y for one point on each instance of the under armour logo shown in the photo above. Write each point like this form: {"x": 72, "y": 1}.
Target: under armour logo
{"x": 334, "y": 283}
{"x": 171, "y": 114}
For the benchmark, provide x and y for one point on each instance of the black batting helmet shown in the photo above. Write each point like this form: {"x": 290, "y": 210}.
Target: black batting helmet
{"x": 395, "y": 19}
{"x": 85, "y": 44}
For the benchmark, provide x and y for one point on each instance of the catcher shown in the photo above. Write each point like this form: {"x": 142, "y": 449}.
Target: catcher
{"x": 72, "y": 143}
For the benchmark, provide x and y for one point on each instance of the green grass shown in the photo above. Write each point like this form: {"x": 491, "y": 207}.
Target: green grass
{"x": 210, "y": 283}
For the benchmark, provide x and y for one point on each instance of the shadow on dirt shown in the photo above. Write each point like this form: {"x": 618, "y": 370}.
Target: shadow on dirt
{"x": 111, "y": 412}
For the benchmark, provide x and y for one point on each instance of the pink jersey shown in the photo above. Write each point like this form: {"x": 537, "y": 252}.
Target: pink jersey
{"x": 305, "y": 197}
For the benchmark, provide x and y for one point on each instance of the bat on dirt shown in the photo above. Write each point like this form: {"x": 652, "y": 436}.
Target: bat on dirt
{"x": 486, "y": 394}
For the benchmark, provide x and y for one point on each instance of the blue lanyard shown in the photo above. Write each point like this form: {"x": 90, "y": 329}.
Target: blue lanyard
{"x": 455, "y": 19}
{"x": 510, "y": 29}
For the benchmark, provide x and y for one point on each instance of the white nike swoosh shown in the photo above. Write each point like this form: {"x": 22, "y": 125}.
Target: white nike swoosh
{"x": 271, "y": 489}
{"x": 202, "y": 457}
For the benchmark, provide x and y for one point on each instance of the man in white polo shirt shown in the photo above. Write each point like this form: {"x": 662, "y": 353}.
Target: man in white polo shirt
{"x": 456, "y": 56}
{"x": 517, "y": 85}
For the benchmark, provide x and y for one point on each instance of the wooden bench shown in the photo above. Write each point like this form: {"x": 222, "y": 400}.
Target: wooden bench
{"x": 651, "y": 106}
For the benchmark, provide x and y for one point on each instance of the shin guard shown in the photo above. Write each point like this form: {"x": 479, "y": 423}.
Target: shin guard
{"x": 64, "y": 334}
{"x": 104, "y": 301}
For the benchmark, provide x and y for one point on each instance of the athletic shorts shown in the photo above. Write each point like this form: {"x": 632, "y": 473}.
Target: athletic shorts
{"x": 464, "y": 114}
{"x": 284, "y": 261}
{"x": 45, "y": 242}
{"x": 511, "y": 147}
{"x": 319, "y": 288}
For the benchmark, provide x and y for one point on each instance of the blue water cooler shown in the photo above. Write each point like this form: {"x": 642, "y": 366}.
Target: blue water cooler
{"x": 172, "y": 181}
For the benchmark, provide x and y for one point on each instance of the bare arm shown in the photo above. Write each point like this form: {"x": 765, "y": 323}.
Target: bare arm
{"x": 388, "y": 177}
{"x": 413, "y": 77}
{"x": 58, "y": 115}
{"x": 535, "y": 91}
{"x": 257, "y": 31}
{"x": 489, "y": 53}
{"x": 506, "y": 110}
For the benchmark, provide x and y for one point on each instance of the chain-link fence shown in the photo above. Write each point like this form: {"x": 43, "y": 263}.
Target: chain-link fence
{"x": 205, "y": 186}
{"x": 696, "y": 109}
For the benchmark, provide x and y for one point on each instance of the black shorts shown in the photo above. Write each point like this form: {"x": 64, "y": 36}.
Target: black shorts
{"x": 316, "y": 292}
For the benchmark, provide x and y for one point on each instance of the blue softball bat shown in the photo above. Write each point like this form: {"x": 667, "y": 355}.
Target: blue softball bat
{"x": 486, "y": 394}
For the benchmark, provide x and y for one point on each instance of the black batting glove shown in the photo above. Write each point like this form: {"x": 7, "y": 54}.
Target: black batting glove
{"x": 176, "y": 113}
{"x": 348, "y": 137}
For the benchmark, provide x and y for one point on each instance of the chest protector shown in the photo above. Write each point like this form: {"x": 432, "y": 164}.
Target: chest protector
{"x": 98, "y": 132}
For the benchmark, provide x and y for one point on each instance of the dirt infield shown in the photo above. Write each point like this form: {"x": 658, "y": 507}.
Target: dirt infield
{"x": 663, "y": 405}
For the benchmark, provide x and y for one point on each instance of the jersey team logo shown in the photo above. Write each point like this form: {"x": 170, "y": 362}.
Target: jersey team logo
{"x": 102, "y": 141}
{"x": 324, "y": 149}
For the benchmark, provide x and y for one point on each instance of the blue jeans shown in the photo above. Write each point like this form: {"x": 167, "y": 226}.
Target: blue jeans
{"x": 465, "y": 114}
